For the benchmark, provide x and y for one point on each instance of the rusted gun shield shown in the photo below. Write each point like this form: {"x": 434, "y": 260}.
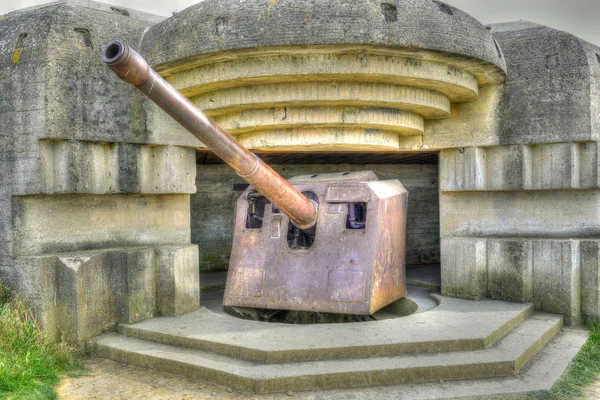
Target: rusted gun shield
{"x": 355, "y": 264}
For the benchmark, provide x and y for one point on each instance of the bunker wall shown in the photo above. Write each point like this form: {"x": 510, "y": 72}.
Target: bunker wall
{"x": 94, "y": 209}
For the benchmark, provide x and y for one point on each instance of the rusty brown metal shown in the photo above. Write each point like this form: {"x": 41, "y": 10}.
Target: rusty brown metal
{"x": 350, "y": 268}
{"x": 133, "y": 69}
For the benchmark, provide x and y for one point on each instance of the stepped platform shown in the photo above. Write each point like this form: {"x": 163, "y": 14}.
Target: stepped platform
{"x": 493, "y": 347}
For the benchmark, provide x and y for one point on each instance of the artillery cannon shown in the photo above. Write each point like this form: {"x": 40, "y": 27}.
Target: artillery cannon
{"x": 325, "y": 242}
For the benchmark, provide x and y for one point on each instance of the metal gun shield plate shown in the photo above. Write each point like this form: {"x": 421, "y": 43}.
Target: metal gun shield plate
{"x": 355, "y": 264}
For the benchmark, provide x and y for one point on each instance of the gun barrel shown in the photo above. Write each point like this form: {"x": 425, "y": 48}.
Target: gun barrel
{"x": 133, "y": 69}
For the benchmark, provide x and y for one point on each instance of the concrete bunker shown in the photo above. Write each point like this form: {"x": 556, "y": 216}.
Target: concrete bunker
{"x": 493, "y": 131}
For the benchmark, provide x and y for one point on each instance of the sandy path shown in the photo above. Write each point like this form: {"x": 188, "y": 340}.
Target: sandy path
{"x": 105, "y": 379}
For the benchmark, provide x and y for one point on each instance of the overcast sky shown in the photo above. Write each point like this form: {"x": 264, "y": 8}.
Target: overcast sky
{"x": 579, "y": 17}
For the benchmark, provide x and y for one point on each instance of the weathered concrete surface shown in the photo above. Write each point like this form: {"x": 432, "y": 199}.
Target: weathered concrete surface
{"x": 116, "y": 379}
{"x": 557, "y": 278}
{"x": 315, "y": 362}
{"x": 545, "y": 271}
{"x": 341, "y": 76}
{"x": 55, "y": 224}
{"x": 213, "y": 207}
{"x": 76, "y": 296}
{"x": 551, "y": 94}
{"x": 49, "y": 63}
{"x": 540, "y": 376}
{"x": 35, "y": 279}
{"x": 590, "y": 280}
{"x": 467, "y": 326}
{"x": 510, "y": 270}
{"x": 178, "y": 286}
{"x": 515, "y": 197}
{"x": 520, "y": 167}
{"x": 534, "y": 214}
{"x": 140, "y": 383}
{"x": 464, "y": 268}
{"x": 212, "y": 210}
{"x": 503, "y": 360}
{"x": 482, "y": 119}
{"x": 72, "y": 166}
{"x": 133, "y": 272}
{"x": 256, "y": 24}
{"x": 520, "y": 199}
{"x": 339, "y": 100}
{"x": 83, "y": 296}
{"x": 80, "y": 172}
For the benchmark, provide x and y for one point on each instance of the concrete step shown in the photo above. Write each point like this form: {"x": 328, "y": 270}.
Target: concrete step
{"x": 454, "y": 325}
{"x": 505, "y": 358}
{"x": 536, "y": 378}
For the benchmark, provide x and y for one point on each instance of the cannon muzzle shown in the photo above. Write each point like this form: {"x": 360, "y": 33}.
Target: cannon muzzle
{"x": 133, "y": 69}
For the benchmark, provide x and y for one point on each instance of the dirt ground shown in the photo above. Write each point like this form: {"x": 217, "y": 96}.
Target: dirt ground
{"x": 593, "y": 392}
{"x": 105, "y": 379}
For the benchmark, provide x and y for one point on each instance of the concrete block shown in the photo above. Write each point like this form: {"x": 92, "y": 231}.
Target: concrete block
{"x": 63, "y": 223}
{"x": 550, "y": 166}
{"x": 482, "y": 119}
{"x": 462, "y": 169}
{"x": 592, "y": 51}
{"x": 85, "y": 167}
{"x": 167, "y": 169}
{"x": 84, "y": 300}
{"x": 5, "y": 217}
{"x": 124, "y": 167}
{"x": 99, "y": 107}
{"x": 557, "y": 278}
{"x": 510, "y": 269}
{"x": 163, "y": 129}
{"x": 532, "y": 213}
{"x": 504, "y": 168}
{"x": 133, "y": 284}
{"x": 74, "y": 166}
{"x": 586, "y": 162}
{"x": 35, "y": 279}
{"x": 178, "y": 280}
{"x": 464, "y": 267}
{"x": 590, "y": 279}
{"x": 6, "y": 252}
{"x": 547, "y": 98}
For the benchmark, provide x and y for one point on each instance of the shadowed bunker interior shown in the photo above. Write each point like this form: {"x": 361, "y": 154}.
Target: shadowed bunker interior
{"x": 219, "y": 188}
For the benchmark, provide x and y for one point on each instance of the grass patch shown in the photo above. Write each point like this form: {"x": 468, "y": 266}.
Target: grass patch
{"x": 30, "y": 365}
{"x": 583, "y": 370}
